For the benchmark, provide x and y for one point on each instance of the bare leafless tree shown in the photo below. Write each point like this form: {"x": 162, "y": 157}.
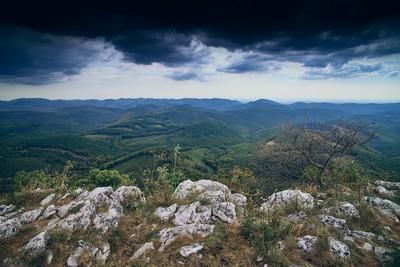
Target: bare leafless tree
{"x": 300, "y": 145}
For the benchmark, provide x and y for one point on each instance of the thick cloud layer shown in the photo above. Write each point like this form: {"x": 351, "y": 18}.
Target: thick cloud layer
{"x": 46, "y": 42}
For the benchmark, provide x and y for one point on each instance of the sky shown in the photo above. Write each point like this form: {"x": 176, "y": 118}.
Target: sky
{"x": 341, "y": 51}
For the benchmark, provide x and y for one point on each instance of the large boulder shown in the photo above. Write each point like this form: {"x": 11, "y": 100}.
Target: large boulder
{"x": 287, "y": 197}
{"x": 208, "y": 191}
{"x": 37, "y": 244}
{"x": 215, "y": 190}
{"x": 192, "y": 213}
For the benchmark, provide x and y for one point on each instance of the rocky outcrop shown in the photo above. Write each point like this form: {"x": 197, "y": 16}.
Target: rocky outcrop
{"x": 88, "y": 213}
{"x": 11, "y": 226}
{"x": 283, "y": 198}
{"x": 385, "y": 206}
{"x": 198, "y": 218}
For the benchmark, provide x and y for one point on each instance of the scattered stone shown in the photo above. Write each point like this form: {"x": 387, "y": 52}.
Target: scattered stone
{"x": 360, "y": 234}
{"x": 385, "y": 206}
{"x": 143, "y": 249}
{"x": 186, "y": 251}
{"x": 306, "y": 243}
{"x": 322, "y": 196}
{"x": 47, "y": 199}
{"x": 280, "y": 245}
{"x": 99, "y": 256}
{"x": 49, "y": 258}
{"x": 259, "y": 258}
{"x": 387, "y": 228}
{"x": 368, "y": 247}
{"x": 286, "y": 197}
{"x": 30, "y": 216}
{"x": 333, "y": 222}
{"x": 297, "y": 216}
{"x": 168, "y": 235}
{"x": 166, "y": 213}
{"x": 338, "y": 248}
{"x": 6, "y": 209}
{"x": 382, "y": 252}
{"x": 343, "y": 209}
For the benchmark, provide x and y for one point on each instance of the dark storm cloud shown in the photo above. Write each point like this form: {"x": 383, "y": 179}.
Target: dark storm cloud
{"x": 35, "y": 58}
{"x": 314, "y": 33}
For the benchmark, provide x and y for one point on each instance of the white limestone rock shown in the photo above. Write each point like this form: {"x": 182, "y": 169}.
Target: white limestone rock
{"x": 37, "y": 244}
{"x": 9, "y": 227}
{"x": 132, "y": 192}
{"x": 297, "y": 216}
{"x": 360, "y": 234}
{"x": 388, "y": 185}
{"x": 385, "y": 206}
{"x": 142, "y": 250}
{"x": 98, "y": 256}
{"x": 333, "y": 222}
{"x": 286, "y": 197}
{"x": 192, "y": 213}
{"x": 216, "y": 191}
{"x": 306, "y": 243}
{"x": 30, "y": 216}
{"x": 338, "y": 248}
{"x": 383, "y": 191}
{"x": 47, "y": 199}
{"x": 186, "y": 251}
{"x": 49, "y": 212}
{"x": 224, "y": 211}
{"x": 6, "y": 209}
{"x": 344, "y": 209}
{"x": 368, "y": 247}
{"x": 168, "y": 235}
{"x": 165, "y": 213}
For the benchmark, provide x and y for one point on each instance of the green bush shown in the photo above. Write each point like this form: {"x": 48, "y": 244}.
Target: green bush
{"x": 259, "y": 234}
{"x": 108, "y": 178}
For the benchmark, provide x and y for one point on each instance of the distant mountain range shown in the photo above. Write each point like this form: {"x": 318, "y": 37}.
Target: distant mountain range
{"x": 40, "y": 133}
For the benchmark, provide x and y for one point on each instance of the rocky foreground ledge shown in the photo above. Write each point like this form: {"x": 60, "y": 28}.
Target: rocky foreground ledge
{"x": 198, "y": 207}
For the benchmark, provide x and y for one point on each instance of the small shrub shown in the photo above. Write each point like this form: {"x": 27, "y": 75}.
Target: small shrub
{"x": 108, "y": 178}
{"x": 218, "y": 237}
